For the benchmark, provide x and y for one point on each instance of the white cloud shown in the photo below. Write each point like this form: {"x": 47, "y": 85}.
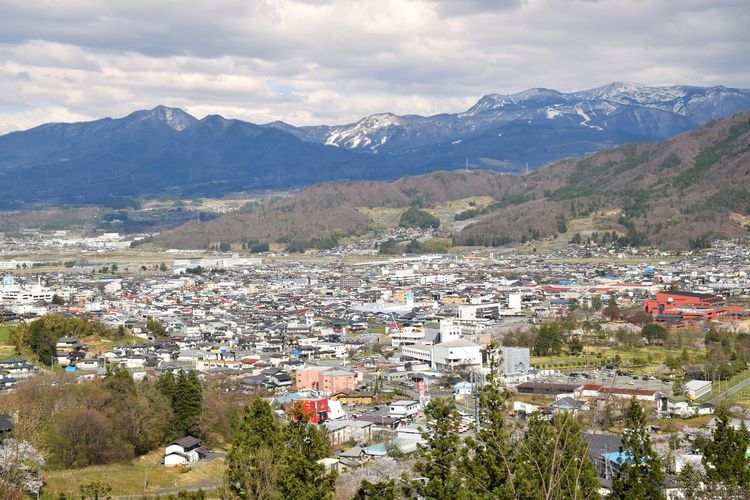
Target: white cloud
{"x": 317, "y": 61}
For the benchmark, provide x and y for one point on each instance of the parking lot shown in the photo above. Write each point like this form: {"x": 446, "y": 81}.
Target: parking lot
{"x": 609, "y": 378}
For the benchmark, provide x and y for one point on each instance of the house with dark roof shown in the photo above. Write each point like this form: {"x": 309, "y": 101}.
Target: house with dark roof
{"x": 566, "y": 404}
{"x": 7, "y": 383}
{"x": 603, "y": 449}
{"x": 183, "y": 451}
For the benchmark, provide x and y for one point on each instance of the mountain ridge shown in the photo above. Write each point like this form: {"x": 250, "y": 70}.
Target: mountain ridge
{"x": 168, "y": 151}
{"x": 670, "y": 194}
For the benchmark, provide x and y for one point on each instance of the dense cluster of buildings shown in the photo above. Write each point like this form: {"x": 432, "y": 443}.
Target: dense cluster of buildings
{"x": 437, "y": 311}
{"x": 335, "y": 339}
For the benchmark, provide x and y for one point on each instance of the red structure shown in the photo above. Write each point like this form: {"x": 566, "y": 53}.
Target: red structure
{"x": 688, "y": 306}
{"x": 315, "y": 409}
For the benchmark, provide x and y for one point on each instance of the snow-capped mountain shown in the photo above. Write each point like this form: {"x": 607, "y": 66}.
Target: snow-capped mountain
{"x": 164, "y": 149}
{"x": 634, "y": 111}
{"x": 369, "y": 132}
{"x": 174, "y": 118}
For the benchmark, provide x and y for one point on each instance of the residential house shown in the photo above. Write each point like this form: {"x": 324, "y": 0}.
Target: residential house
{"x": 353, "y": 458}
{"x": 566, "y": 404}
{"x": 276, "y": 378}
{"x": 343, "y": 431}
{"x": 404, "y": 409}
{"x": 183, "y": 451}
{"x": 353, "y": 398}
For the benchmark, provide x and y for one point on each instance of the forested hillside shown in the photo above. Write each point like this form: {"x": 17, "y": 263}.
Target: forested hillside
{"x": 676, "y": 194}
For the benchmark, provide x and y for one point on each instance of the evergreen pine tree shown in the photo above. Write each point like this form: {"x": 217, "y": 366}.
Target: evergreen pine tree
{"x": 251, "y": 470}
{"x": 187, "y": 403}
{"x": 725, "y": 455}
{"x": 549, "y": 340}
{"x": 487, "y": 459}
{"x": 382, "y": 490}
{"x": 166, "y": 384}
{"x": 641, "y": 472}
{"x": 438, "y": 461}
{"x": 119, "y": 380}
{"x": 271, "y": 461}
{"x": 301, "y": 476}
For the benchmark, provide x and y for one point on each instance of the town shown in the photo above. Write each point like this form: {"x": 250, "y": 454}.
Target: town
{"x": 360, "y": 343}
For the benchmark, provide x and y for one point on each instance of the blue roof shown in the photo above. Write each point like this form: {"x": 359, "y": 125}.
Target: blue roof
{"x": 376, "y": 449}
{"x": 288, "y": 398}
{"x": 619, "y": 457}
{"x": 615, "y": 456}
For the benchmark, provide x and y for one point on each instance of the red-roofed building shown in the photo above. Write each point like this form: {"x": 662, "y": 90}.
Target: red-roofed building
{"x": 681, "y": 307}
{"x": 316, "y": 409}
{"x": 620, "y": 392}
{"x": 589, "y": 391}
{"x": 600, "y": 391}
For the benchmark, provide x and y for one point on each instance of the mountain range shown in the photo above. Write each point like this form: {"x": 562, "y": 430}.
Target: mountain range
{"x": 678, "y": 193}
{"x": 166, "y": 151}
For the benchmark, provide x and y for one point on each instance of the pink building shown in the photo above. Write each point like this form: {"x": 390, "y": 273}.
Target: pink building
{"x": 326, "y": 379}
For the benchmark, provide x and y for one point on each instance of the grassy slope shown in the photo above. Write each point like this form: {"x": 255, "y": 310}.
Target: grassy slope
{"x": 128, "y": 479}
{"x": 6, "y": 346}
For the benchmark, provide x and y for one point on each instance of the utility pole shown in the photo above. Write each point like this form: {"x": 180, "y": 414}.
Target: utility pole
{"x": 475, "y": 392}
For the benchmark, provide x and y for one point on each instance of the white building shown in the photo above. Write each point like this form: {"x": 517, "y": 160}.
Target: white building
{"x": 452, "y": 350}
{"x": 217, "y": 262}
{"x": 183, "y": 451}
{"x": 454, "y": 353}
{"x": 403, "y": 409}
{"x": 6, "y": 265}
{"x": 406, "y": 335}
{"x": 697, "y": 388}
{"x": 473, "y": 312}
{"x": 13, "y": 293}
{"x": 516, "y": 360}
{"x": 514, "y": 301}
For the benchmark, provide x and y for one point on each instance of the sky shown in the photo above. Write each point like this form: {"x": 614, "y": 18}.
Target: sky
{"x": 310, "y": 62}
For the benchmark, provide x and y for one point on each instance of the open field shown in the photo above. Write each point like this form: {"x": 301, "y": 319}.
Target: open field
{"x": 678, "y": 424}
{"x": 128, "y": 479}
{"x": 382, "y": 217}
{"x": 388, "y": 217}
{"x": 6, "y": 346}
{"x": 652, "y": 356}
{"x": 99, "y": 345}
{"x": 96, "y": 345}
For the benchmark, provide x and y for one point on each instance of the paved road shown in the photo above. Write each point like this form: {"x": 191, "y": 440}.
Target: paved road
{"x": 210, "y": 485}
{"x": 731, "y": 391}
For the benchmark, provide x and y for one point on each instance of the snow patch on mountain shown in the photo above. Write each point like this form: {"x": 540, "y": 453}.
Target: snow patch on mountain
{"x": 596, "y": 109}
{"x": 175, "y": 118}
{"x": 487, "y": 103}
{"x": 361, "y": 133}
{"x": 586, "y": 119}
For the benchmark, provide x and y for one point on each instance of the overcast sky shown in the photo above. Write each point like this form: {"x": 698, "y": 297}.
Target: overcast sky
{"x": 318, "y": 61}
